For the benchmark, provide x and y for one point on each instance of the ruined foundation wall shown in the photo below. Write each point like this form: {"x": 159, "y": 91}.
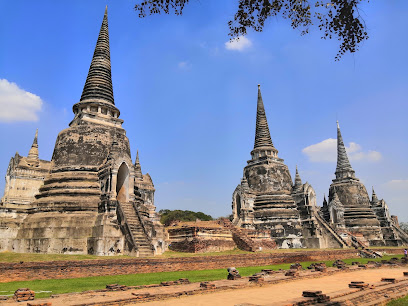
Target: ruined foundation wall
{"x": 10, "y": 222}
{"x": 55, "y": 233}
{"x": 200, "y": 239}
{"x": 72, "y": 269}
{"x": 200, "y": 245}
{"x": 107, "y": 238}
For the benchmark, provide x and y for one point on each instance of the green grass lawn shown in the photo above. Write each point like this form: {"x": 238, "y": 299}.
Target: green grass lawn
{"x": 399, "y": 302}
{"x": 56, "y": 286}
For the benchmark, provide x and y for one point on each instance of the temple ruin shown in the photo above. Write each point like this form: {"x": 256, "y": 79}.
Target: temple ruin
{"x": 351, "y": 212}
{"x": 91, "y": 198}
{"x": 266, "y": 199}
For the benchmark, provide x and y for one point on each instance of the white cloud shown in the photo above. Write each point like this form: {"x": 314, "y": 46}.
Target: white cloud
{"x": 185, "y": 65}
{"x": 17, "y": 104}
{"x": 326, "y": 152}
{"x": 397, "y": 185}
{"x": 238, "y": 44}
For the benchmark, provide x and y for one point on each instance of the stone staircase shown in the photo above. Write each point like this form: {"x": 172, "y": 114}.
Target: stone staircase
{"x": 136, "y": 230}
{"x": 362, "y": 248}
{"x": 403, "y": 236}
{"x": 241, "y": 239}
{"x": 323, "y": 224}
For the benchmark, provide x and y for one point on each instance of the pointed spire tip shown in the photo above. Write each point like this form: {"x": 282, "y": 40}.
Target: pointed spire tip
{"x": 98, "y": 84}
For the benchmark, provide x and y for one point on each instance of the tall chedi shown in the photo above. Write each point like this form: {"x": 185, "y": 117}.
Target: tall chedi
{"x": 91, "y": 185}
{"x": 263, "y": 200}
{"x": 349, "y": 203}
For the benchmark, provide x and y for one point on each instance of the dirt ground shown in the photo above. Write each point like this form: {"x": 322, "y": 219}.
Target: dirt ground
{"x": 268, "y": 294}
{"x": 279, "y": 293}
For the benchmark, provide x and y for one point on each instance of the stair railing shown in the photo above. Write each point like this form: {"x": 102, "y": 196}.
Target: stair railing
{"x": 331, "y": 230}
{"x": 143, "y": 225}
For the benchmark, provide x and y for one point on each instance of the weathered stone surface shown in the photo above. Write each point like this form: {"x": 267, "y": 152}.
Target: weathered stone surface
{"x": 88, "y": 199}
{"x": 267, "y": 200}
{"x": 350, "y": 210}
{"x": 263, "y": 199}
{"x": 233, "y": 274}
{"x": 24, "y": 177}
{"x": 23, "y": 294}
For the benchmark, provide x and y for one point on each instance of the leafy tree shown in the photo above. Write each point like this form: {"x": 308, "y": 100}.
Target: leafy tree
{"x": 169, "y": 216}
{"x": 404, "y": 226}
{"x": 335, "y": 18}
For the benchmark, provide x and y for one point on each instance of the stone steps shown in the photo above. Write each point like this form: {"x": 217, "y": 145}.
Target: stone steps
{"x": 139, "y": 237}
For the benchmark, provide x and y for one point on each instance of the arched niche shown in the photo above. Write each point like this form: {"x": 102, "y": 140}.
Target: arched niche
{"x": 238, "y": 205}
{"x": 122, "y": 183}
{"x": 334, "y": 215}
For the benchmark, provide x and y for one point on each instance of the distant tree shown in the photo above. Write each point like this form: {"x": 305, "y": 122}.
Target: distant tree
{"x": 336, "y": 18}
{"x": 169, "y": 216}
{"x": 404, "y": 226}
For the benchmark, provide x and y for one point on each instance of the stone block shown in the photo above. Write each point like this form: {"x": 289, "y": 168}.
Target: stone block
{"x": 389, "y": 280}
{"x": 207, "y": 285}
{"x": 24, "y": 294}
{"x": 116, "y": 287}
{"x": 256, "y": 278}
{"x": 233, "y": 274}
{"x": 311, "y": 293}
{"x": 358, "y": 284}
{"x": 292, "y": 273}
{"x": 296, "y": 266}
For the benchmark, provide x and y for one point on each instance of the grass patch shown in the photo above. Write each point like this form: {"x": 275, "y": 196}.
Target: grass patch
{"x": 399, "y": 302}
{"x": 57, "y": 286}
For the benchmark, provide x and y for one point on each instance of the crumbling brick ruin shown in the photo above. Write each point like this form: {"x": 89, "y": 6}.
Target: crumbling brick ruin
{"x": 91, "y": 198}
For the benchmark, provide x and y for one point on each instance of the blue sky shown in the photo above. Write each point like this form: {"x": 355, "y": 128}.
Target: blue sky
{"x": 189, "y": 102}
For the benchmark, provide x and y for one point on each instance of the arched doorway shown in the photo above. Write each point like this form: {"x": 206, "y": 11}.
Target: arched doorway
{"x": 238, "y": 205}
{"x": 122, "y": 183}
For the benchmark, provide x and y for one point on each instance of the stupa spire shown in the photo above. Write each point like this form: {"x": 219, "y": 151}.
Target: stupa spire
{"x": 138, "y": 168}
{"x": 262, "y": 135}
{"x": 374, "y": 197}
{"x": 298, "y": 180}
{"x": 98, "y": 85}
{"x": 343, "y": 168}
{"x": 33, "y": 157}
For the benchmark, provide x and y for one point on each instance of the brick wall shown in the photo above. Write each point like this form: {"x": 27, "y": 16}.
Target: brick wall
{"x": 72, "y": 269}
